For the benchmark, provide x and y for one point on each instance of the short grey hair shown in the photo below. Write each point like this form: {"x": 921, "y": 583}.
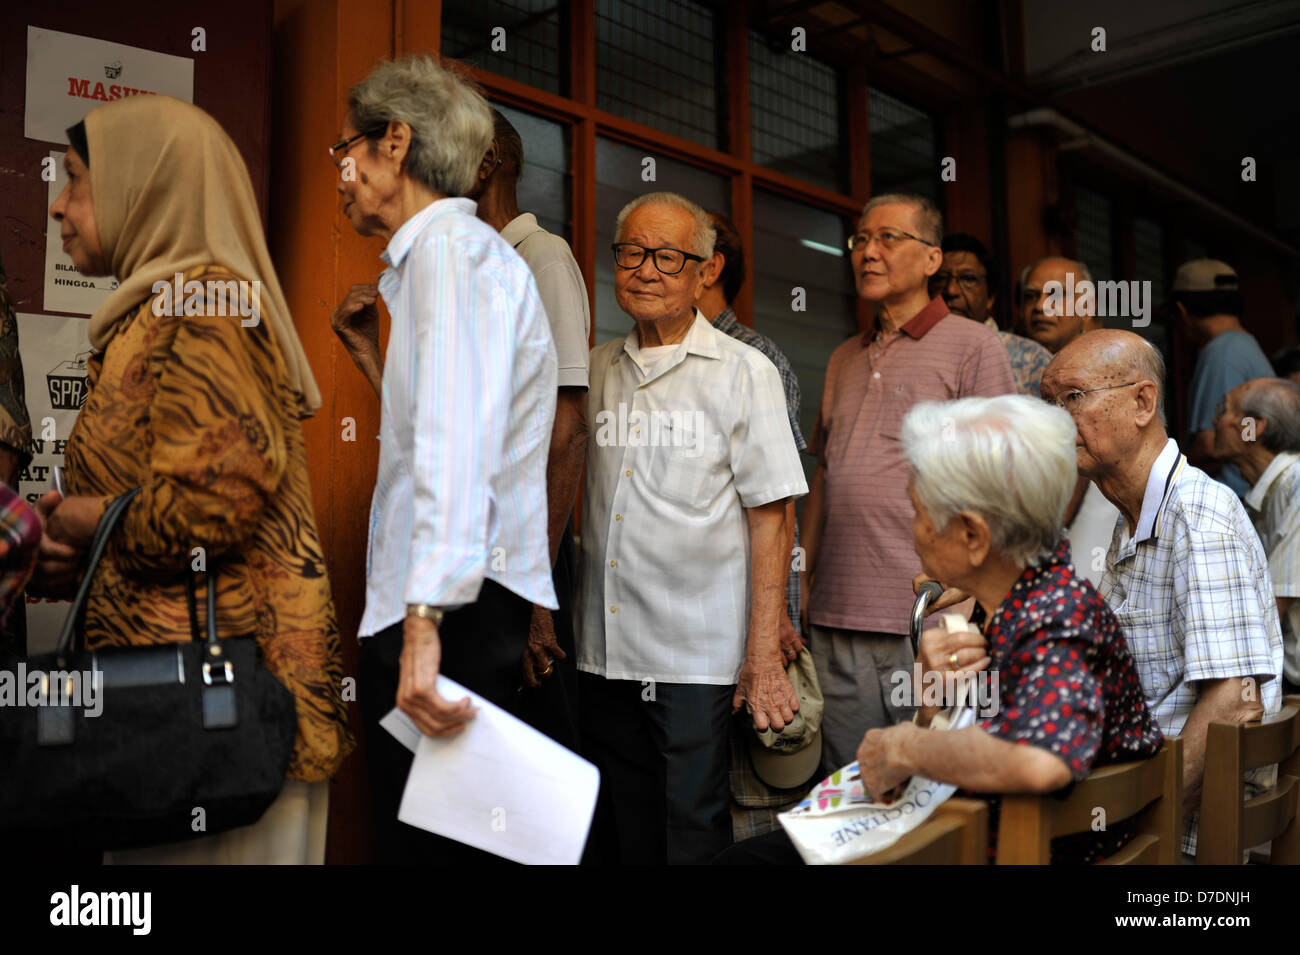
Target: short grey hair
{"x": 703, "y": 235}
{"x": 451, "y": 123}
{"x": 1080, "y": 269}
{"x": 929, "y": 220}
{"x": 1010, "y": 459}
{"x": 1150, "y": 363}
{"x": 1277, "y": 401}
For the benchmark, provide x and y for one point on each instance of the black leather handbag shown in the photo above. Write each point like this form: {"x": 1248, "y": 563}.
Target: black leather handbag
{"x": 138, "y": 746}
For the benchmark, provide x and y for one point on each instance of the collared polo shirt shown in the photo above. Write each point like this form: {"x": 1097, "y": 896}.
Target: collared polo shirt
{"x": 866, "y": 561}
{"x": 677, "y": 451}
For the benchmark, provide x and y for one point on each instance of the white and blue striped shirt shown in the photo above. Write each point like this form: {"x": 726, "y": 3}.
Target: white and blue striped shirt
{"x": 467, "y": 408}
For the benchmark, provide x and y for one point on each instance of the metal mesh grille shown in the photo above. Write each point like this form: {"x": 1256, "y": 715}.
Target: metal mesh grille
{"x": 545, "y": 185}
{"x": 1149, "y": 254}
{"x": 1093, "y": 236}
{"x": 904, "y": 147}
{"x": 534, "y": 44}
{"x": 656, "y": 63}
{"x": 795, "y": 115}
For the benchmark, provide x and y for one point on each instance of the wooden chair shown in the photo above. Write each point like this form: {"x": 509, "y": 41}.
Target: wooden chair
{"x": 1230, "y": 823}
{"x": 956, "y": 834}
{"x": 1149, "y": 790}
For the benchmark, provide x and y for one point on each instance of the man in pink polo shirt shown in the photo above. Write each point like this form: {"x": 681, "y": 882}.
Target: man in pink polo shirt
{"x": 858, "y": 517}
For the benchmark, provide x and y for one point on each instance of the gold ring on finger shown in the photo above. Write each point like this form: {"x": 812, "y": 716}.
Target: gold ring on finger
{"x": 952, "y": 659}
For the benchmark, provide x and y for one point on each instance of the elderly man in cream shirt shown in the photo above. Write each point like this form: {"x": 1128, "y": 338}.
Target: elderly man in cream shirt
{"x": 690, "y": 463}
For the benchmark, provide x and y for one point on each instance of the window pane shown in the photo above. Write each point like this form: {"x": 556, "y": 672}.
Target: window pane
{"x": 618, "y": 182}
{"x": 656, "y": 64}
{"x": 904, "y": 147}
{"x": 534, "y": 46}
{"x": 795, "y": 115}
{"x": 799, "y": 246}
{"x": 544, "y": 186}
{"x": 1149, "y": 256}
{"x": 1093, "y": 236}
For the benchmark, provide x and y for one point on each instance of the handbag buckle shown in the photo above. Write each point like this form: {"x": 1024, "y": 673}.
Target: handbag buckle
{"x": 228, "y": 676}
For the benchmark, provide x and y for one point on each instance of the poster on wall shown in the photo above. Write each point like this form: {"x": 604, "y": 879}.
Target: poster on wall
{"x": 69, "y": 75}
{"x": 54, "y": 353}
{"x": 66, "y": 289}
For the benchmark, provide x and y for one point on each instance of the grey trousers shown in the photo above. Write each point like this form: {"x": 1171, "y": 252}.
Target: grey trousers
{"x": 858, "y": 671}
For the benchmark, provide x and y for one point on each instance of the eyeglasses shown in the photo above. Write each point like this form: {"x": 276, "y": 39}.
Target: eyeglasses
{"x": 967, "y": 280}
{"x": 341, "y": 147}
{"x": 888, "y": 239}
{"x": 1071, "y": 399}
{"x": 629, "y": 255}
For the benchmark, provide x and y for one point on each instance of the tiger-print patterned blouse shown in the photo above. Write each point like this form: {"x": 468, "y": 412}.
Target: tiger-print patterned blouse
{"x": 196, "y": 410}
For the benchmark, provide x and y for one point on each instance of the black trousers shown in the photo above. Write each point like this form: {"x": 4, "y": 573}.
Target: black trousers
{"x": 481, "y": 647}
{"x": 662, "y": 751}
{"x": 773, "y": 848}
{"x": 552, "y": 708}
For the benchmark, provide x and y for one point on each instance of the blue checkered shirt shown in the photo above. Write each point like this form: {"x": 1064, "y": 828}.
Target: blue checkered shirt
{"x": 1191, "y": 591}
{"x": 725, "y": 321}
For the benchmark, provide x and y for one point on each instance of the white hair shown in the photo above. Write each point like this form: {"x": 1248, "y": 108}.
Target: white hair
{"x": 1009, "y": 459}
{"x": 451, "y": 122}
{"x": 703, "y": 235}
{"x": 1081, "y": 271}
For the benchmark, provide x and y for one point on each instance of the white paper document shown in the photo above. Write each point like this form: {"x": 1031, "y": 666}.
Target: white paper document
{"x": 500, "y": 785}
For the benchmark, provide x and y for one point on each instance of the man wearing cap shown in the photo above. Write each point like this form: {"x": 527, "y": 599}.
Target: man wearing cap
{"x": 1206, "y": 294}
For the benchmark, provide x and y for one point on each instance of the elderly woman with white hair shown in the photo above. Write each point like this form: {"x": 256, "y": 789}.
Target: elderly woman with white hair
{"x": 990, "y": 480}
{"x": 458, "y": 549}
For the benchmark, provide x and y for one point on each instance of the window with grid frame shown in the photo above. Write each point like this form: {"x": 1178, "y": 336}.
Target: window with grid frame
{"x": 534, "y": 39}
{"x": 904, "y": 147}
{"x": 657, "y": 64}
{"x": 1093, "y": 237}
{"x": 796, "y": 126}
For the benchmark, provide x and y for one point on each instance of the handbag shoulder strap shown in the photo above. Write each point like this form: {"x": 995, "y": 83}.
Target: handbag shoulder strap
{"x": 69, "y": 638}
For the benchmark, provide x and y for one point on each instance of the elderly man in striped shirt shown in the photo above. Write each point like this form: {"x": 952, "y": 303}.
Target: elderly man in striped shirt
{"x": 858, "y": 518}
{"x": 1258, "y": 429}
{"x": 1185, "y": 574}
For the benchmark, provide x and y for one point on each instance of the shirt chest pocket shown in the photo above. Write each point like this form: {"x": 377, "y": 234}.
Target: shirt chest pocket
{"x": 1147, "y": 634}
{"x": 687, "y": 466}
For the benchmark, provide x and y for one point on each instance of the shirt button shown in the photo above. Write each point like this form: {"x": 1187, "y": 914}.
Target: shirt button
{"x": 876, "y": 375}
{"x": 618, "y": 517}
{"x": 628, "y": 473}
{"x": 613, "y": 563}
{"x": 613, "y": 609}
{"x": 638, "y": 430}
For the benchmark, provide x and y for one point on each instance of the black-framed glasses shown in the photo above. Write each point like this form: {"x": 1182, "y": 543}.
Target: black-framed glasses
{"x": 629, "y": 255}
{"x": 888, "y": 239}
{"x": 1070, "y": 400}
{"x": 341, "y": 147}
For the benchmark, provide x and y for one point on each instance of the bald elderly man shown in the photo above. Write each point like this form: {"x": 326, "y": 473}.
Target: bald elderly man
{"x": 1185, "y": 574}
{"x": 1054, "y": 332}
{"x": 1258, "y": 429}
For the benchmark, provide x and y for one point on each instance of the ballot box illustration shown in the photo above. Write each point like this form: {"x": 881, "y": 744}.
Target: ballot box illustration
{"x": 67, "y": 383}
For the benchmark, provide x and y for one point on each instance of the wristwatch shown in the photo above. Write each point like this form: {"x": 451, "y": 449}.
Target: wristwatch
{"x": 427, "y": 611}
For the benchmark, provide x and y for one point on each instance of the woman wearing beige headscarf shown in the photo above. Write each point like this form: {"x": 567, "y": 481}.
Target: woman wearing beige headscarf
{"x": 197, "y": 389}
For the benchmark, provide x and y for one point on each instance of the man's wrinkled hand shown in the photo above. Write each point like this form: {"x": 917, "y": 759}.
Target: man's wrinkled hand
{"x": 417, "y": 685}
{"x": 765, "y": 687}
{"x": 881, "y": 762}
{"x": 542, "y": 650}
{"x": 356, "y": 320}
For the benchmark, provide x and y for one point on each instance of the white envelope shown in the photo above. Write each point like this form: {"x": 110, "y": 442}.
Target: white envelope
{"x": 499, "y": 785}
